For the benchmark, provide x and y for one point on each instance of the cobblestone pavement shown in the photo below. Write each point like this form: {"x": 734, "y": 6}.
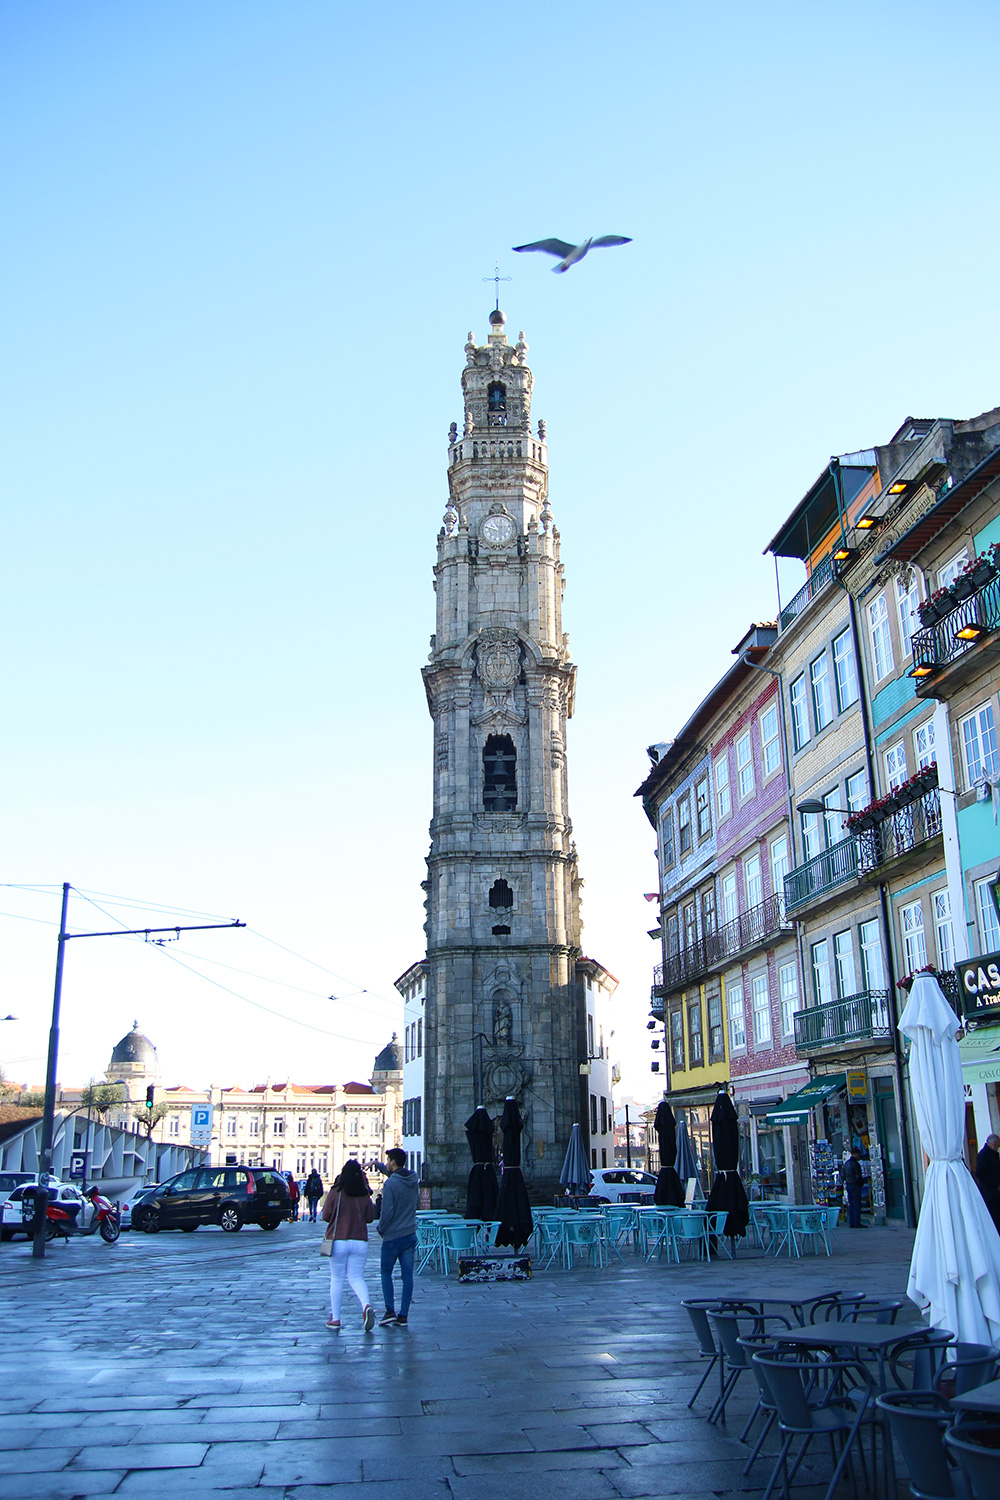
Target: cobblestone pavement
{"x": 186, "y": 1365}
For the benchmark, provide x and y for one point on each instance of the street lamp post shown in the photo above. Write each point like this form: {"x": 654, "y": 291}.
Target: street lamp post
{"x": 49, "y": 1108}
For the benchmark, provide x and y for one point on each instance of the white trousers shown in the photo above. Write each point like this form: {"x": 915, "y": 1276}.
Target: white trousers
{"x": 348, "y": 1259}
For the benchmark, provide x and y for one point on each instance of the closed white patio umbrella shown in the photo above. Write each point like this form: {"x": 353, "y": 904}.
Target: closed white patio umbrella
{"x": 955, "y": 1266}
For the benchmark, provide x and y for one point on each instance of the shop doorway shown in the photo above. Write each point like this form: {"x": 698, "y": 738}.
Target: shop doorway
{"x": 887, "y": 1126}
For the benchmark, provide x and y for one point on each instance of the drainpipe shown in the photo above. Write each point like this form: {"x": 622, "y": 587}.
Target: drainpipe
{"x": 897, "y": 1049}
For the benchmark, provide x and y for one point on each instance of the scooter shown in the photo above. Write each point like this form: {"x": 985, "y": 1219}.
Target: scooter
{"x": 61, "y": 1219}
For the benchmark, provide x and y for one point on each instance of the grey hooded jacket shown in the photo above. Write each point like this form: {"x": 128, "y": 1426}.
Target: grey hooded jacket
{"x": 400, "y": 1198}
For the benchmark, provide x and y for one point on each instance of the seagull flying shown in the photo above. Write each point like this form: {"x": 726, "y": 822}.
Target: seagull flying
{"x": 570, "y": 254}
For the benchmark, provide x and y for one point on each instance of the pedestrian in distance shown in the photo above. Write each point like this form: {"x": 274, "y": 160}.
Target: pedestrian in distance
{"x": 347, "y": 1211}
{"x": 294, "y": 1194}
{"x": 397, "y": 1226}
{"x": 853, "y": 1179}
{"x": 313, "y": 1193}
{"x": 988, "y": 1177}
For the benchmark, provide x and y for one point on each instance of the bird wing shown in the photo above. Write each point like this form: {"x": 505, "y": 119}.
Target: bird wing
{"x": 611, "y": 239}
{"x": 551, "y": 247}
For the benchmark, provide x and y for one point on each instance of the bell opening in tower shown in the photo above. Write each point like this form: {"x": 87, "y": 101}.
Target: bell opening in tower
{"x": 499, "y": 774}
{"x": 497, "y": 404}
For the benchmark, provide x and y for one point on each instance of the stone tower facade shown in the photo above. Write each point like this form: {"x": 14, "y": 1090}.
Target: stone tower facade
{"x": 504, "y": 1011}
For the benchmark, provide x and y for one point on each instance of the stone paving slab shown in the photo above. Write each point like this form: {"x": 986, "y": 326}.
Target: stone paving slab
{"x": 191, "y": 1366}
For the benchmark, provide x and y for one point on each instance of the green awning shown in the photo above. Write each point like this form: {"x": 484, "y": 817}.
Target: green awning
{"x": 795, "y": 1110}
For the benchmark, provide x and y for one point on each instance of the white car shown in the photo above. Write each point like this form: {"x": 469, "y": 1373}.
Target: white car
{"x": 11, "y": 1214}
{"x": 11, "y": 1180}
{"x": 616, "y": 1183}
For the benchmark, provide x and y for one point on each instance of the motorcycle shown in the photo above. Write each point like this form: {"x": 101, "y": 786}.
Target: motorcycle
{"x": 61, "y": 1218}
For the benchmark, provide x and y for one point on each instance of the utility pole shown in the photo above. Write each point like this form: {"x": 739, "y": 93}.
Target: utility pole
{"x": 628, "y": 1140}
{"x": 49, "y": 1109}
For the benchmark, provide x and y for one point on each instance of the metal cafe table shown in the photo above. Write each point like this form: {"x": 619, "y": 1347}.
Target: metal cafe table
{"x": 877, "y": 1339}
{"x": 985, "y": 1399}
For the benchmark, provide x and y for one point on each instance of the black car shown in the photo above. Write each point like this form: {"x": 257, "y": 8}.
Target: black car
{"x": 228, "y": 1196}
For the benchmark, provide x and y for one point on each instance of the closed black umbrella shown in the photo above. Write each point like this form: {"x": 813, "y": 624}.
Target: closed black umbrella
{"x": 513, "y": 1209}
{"x": 481, "y": 1198}
{"x": 728, "y": 1193}
{"x": 575, "y": 1176}
{"x": 668, "y": 1191}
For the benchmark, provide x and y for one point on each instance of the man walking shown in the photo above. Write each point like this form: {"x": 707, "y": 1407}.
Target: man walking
{"x": 313, "y": 1192}
{"x": 397, "y": 1225}
{"x": 988, "y": 1176}
{"x": 853, "y": 1179}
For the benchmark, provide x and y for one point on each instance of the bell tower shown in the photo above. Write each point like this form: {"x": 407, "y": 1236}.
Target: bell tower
{"x": 505, "y": 1009}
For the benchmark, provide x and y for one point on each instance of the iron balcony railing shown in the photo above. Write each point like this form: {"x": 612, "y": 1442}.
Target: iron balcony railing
{"x": 938, "y": 645}
{"x": 818, "y": 579}
{"x": 751, "y": 928}
{"x": 899, "y": 831}
{"x": 834, "y": 867}
{"x": 863, "y": 1017}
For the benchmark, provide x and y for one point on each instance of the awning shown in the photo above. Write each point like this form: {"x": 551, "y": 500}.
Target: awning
{"x": 795, "y": 1110}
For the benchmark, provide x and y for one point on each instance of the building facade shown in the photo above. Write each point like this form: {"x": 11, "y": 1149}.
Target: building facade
{"x": 503, "y": 1004}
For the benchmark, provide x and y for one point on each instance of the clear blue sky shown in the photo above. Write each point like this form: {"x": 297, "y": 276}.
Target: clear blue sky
{"x": 244, "y": 244}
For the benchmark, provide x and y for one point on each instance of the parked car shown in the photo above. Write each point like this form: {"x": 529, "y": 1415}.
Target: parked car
{"x": 618, "y": 1183}
{"x": 227, "y": 1196}
{"x": 11, "y": 1180}
{"x": 132, "y": 1200}
{"x": 11, "y": 1209}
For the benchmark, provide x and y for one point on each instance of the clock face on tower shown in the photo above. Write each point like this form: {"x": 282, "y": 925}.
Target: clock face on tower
{"x": 497, "y": 531}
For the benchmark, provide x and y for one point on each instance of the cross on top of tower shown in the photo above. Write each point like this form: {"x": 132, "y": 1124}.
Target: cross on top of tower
{"x": 497, "y": 278}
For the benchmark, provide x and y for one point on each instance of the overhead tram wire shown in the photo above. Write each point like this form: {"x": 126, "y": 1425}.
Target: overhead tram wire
{"x": 266, "y": 979}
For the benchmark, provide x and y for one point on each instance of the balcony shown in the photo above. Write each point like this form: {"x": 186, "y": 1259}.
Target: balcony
{"x": 818, "y": 579}
{"x": 747, "y": 931}
{"x": 860, "y": 1018}
{"x": 899, "y": 830}
{"x": 938, "y": 645}
{"x": 825, "y": 872}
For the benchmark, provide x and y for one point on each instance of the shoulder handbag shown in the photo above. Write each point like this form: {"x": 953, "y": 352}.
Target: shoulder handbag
{"x": 326, "y": 1243}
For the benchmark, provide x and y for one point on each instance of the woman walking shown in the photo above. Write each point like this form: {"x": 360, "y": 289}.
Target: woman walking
{"x": 348, "y": 1210}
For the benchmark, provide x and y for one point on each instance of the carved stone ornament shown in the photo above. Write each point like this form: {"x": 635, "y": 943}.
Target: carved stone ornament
{"x": 498, "y": 661}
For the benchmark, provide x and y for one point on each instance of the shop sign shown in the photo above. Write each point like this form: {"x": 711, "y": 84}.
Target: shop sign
{"x": 979, "y": 986}
{"x": 857, "y": 1086}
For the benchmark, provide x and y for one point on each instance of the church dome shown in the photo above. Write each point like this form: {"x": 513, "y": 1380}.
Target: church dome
{"x": 389, "y": 1059}
{"x": 134, "y": 1048}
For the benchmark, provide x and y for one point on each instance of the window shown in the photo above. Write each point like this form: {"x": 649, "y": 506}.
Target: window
{"x": 590, "y": 1037}
{"x": 843, "y": 952}
{"x": 684, "y": 824}
{"x": 895, "y": 766}
{"x": 770, "y": 746}
{"x": 420, "y": 1038}
{"x": 911, "y": 923}
{"x": 499, "y": 774}
{"x": 722, "y": 799}
{"x": 593, "y": 1114}
{"x": 834, "y": 819}
{"x": 676, "y": 1039}
{"x": 690, "y": 925}
{"x": 744, "y": 766}
{"x": 667, "y": 836}
{"x": 944, "y": 933}
{"x": 696, "y": 1053}
{"x": 923, "y": 745}
{"x": 704, "y": 806}
{"x": 604, "y": 1115}
{"x": 881, "y": 640}
{"x": 812, "y": 842}
{"x": 501, "y": 895}
{"x": 857, "y": 791}
{"x": 354, "y": 1125}
{"x": 779, "y": 865}
{"x": 761, "y": 1011}
{"x": 407, "y": 1054}
{"x": 907, "y": 599}
{"x": 254, "y": 1125}
{"x": 737, "y": 1028}
{"x": 822, "y": 983}
{"x": 730, "y": 905}
{"x": 989, "y": 926}
{"x": 947, "y": 575}
{"x": 846, "y": 670}
{"x": 708, "y": 911}
{"x": 278, "y": 1126}
{"x": 300, "y": 1125}
{"x": 673, "y": 934}
{"x": 788, "y": 991}
{"x": 324, "y": 1125}
{"x": 300, "y": 1165}
{"x": 230, "y": 1124}
{"x": 174, "y": 1125}
{"x": 800, "y": 713}
{"x": 979, "y": 745}
{"x": 819, "y": 676}
{"x": 872, "y": 967}
{"x": 754, "y": 880}
{"x": 716, "y": 1035}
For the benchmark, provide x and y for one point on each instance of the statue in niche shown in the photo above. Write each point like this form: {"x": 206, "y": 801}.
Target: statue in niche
{"x": 503, "y": 1022}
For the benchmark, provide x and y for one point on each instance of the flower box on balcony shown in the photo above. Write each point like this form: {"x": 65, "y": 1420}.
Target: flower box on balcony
{"x": 980, "y": 574}
{"x": 964, "y": 587}
{"x": 931, "y": 611}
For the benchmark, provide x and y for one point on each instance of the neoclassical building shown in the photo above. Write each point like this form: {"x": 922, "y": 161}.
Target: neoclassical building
{"x": 503, "y": 1003}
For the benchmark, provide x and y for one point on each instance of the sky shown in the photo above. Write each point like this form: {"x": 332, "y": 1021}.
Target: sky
{"x": 244, "y": 245}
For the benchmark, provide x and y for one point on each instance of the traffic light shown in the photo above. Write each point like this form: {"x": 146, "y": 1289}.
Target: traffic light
{"x": 149, "y": 1097}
